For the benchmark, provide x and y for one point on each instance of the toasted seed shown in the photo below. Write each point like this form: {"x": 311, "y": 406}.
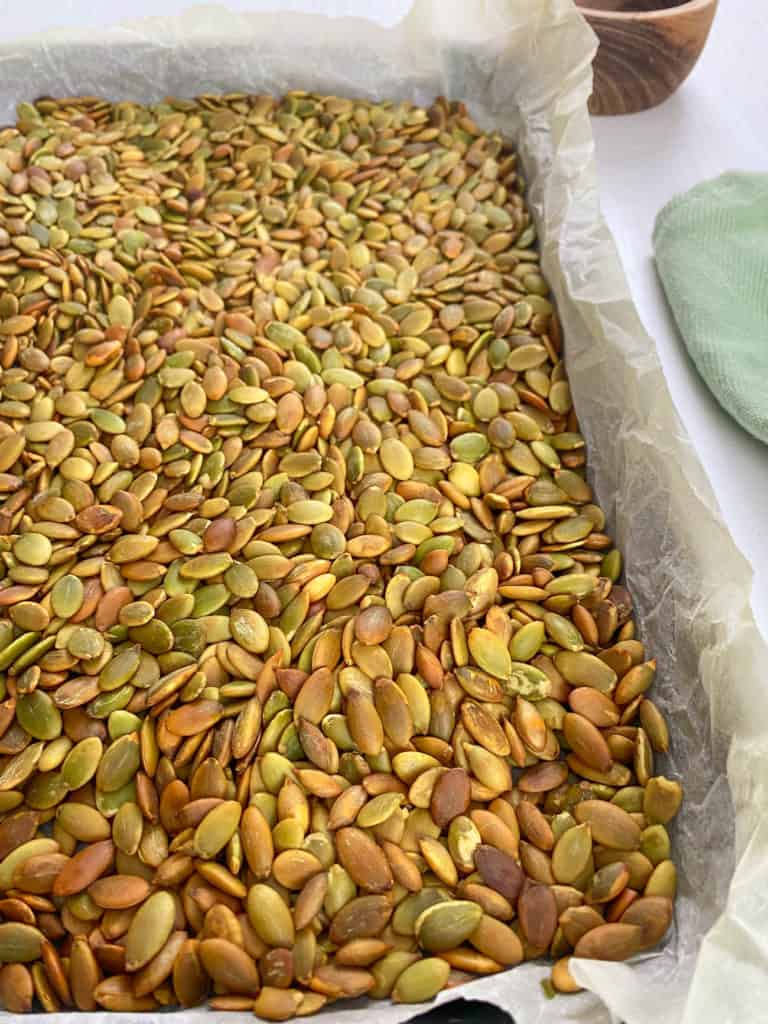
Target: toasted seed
{"x": 84, "y": 868}
{"x": 116, "y": 993}
{"x": 610, "y": 825}
{"x": 490, "y": 653}
{"x": 83, "y": 822}
{"x": 19, "y": 943}
{"x": 662, "y": 800}
{"x": 33, "y": 848}
{"x": 562, "y": 979}
{"x": 421, "y": 981}
{"x": 149, "y": 930}
{"x": 118, "y": 892}
{"x": 500, "y": 871}
{"x": 587, "y": 742}
{"x": 364, "y": 723}
{"x": 537, "y": 911}
{"x": 257, "y": 842}
{"x": 596, "y": 707}
{"x": 491, "y": 770}
{"x": 608, "y": 882}
{"x": 364, "y": 860}
{"x": 16, "y": 830}
{"x": 270, "y": 916}
{"x": 534, "y": 825}
{"x": 446, "y": 925}
{"x": 16, "y": 988}
{"x": 583, "y": 669}
{"x": 498, "y": 941}
{"x": 610, "y": 942}
{"x": 190, "y": 982}
{"x": 361, "y": 917}
{"x": 230, "y": 967}
{"x": 277, "y": 1003}
{"x": 450, "y": 796}
{"x": 576, "y": 921}
{"x": 216, "y": 829}
{"x": 571, "y": 854}
{"x": 653, "y": 914}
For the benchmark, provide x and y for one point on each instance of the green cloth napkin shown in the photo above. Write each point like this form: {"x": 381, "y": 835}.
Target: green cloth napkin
{"x": 711, "y": 247}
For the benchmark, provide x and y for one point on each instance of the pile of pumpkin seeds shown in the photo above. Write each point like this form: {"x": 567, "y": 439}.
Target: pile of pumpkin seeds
{"x": 318, "y": 679}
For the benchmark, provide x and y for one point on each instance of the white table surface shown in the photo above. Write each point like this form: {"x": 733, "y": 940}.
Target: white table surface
{"x": 716, "y": 122}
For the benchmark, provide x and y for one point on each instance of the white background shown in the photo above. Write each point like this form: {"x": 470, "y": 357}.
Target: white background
{"x": 716, "y": 122}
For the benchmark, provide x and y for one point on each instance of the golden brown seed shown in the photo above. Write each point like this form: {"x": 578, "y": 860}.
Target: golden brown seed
{"x": 84, "y": 973}
{"x": 364, "y": 860}
{"x": 576, "y": 921}
{"x": 373, "y": 625}
{"x": 310, "y": 901}
{"x": 361, "y": 952}
{"x": 257, "y": 842}
{"x": 229, "y": 966}
{"x": 364, "y": 723}
{"x": 118, "y": 892}
{"x": 84, "y": 868}
{"x": 493, "y": 903}
{"x": 16, "y": 989}
{"x": 361, "y": 917}
{"x": 277, "y": 1003}
{"x": 610, "y": 942}
{"x": 534, "y": 826}
{"x": 587, "y": 742}
{"x": 610, "y": 825}
{"x": 404, "y": 870}
{"x": 450, "y": 796}
{"x": 562, "y": 979}
{"x": 497, "y": 941}
{"x": 653, "y": 914}
{"x": 151, "y": 977}
{"x": 270, "y": 917}
{"x": 190, "y": 982}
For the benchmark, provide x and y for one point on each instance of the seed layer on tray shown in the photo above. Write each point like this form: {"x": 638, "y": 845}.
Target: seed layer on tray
{"x": 318, "y": 677}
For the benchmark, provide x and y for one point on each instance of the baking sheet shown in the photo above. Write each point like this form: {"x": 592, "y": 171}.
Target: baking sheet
{"x": 523, "y": 66}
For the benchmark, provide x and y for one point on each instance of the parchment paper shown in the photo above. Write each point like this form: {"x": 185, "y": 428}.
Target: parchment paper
{"x": 524, "y": 66}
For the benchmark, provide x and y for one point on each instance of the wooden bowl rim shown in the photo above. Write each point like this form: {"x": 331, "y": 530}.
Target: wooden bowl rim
{"x": 660, "y": 15}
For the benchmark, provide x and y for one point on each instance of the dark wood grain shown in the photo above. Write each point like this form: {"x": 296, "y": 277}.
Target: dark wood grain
{"x": 647, "y": 49}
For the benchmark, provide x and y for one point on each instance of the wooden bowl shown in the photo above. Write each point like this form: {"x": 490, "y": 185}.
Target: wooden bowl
{"x": 647, "y": 49}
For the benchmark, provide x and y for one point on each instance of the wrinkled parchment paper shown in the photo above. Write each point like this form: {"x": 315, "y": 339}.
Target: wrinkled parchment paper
{"x": 523, "y": 66}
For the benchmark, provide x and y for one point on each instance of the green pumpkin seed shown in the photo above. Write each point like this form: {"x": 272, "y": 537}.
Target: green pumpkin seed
{"x": 119, "y": 764}
{"x": 80, "y": 764}
{"x": 446, "y": 925}
{"x": 149, "y": 930}
{"x": 490, "y": 653}
{"x": 120, "y": 669}
{"x": 216, "y": 829}
{"x": 38, "y": 715}
{"x": 421, "y": 981}
{"x": 67, "y": 596}
{"x": 33, "y": 549}
{"x": 19, "y": 943}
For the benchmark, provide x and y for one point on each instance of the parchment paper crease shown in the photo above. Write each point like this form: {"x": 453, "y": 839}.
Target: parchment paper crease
{"x": 524, "y": 67}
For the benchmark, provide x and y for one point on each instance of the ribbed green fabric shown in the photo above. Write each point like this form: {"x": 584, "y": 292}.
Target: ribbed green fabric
{"x": 711, "y": 247}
